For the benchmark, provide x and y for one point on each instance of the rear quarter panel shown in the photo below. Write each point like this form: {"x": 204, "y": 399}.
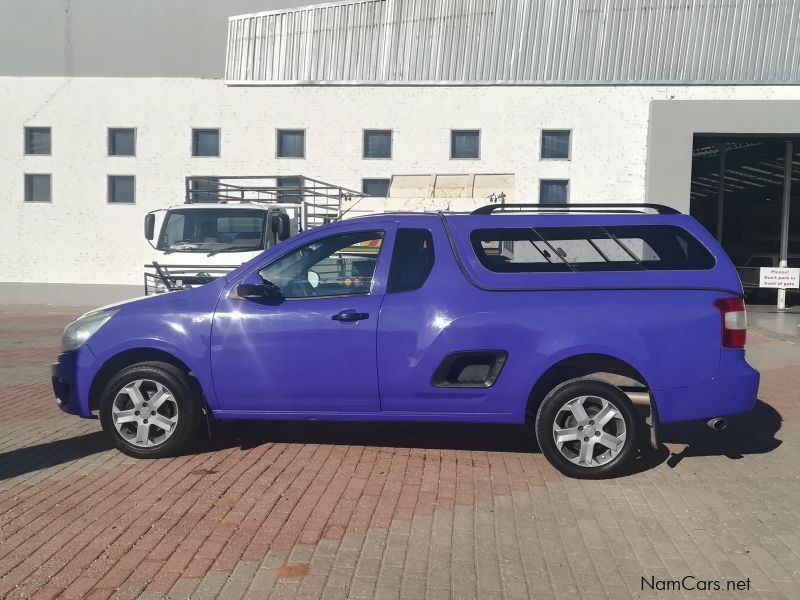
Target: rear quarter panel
{"x": 671, "y": 336}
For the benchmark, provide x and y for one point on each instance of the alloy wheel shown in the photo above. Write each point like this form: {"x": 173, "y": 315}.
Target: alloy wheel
{"x": 589, "y": 431}
{"x": 145, "y": 413}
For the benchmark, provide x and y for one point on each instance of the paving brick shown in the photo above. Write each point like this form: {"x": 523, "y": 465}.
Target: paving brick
{"x": 249, "y": 517}
{"x": 210, "y": 586}
{"x": 183, "y": 588}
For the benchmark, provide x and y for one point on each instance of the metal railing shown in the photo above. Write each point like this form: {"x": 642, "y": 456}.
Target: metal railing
{"x": 170, "y": 278}
{"x": 319, "y": 202}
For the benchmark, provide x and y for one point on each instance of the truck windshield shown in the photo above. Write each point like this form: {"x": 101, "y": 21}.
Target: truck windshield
{"x": 212, "y": 230}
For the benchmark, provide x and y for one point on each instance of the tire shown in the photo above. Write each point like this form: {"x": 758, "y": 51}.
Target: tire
{"x": 575, "y": 455}
{"x": 159, "y": 389}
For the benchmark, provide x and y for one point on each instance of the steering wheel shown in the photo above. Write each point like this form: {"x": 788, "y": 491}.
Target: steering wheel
{"x": 300, "y": 288}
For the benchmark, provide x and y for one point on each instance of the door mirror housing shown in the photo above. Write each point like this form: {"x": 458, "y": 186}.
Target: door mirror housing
{"x": 254, "y": 287}
{"x": 149, "y": 226}
{"x": 281, "y": 226}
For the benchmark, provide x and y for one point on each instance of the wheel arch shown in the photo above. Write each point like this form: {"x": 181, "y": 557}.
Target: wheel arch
{"x": 130, "y": 357}
{"x": 603, "y": 367}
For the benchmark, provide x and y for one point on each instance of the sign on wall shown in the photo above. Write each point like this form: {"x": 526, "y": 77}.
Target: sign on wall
{"x": 781, "y": 278}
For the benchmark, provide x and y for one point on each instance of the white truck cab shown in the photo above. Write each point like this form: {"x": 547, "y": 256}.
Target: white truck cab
{"x": 223, "y": 224}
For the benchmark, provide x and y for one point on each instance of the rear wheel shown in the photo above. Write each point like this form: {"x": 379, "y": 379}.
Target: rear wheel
{"x": 149, "y": 411}
{"x": 587, "y": 429}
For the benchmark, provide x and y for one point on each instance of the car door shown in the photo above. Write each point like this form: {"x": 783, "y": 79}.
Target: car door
{"x": 441, "y": 345}
{"x": 314, "y": 350}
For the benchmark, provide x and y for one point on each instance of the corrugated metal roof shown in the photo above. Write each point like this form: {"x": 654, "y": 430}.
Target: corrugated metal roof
{"x": 519, "y": 41}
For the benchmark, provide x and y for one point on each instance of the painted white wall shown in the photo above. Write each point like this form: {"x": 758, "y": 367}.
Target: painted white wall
{"x": 79, "y": 238}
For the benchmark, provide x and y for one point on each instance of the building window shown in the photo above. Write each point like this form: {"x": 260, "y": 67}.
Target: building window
{"x": 205, "y": 142}
{"x": 376, "y": 187}
{"x": 121, "y": 189}
{"x": 554, "y": 191}
{"x": 37, "y": 140}
{"x": 465, "y": 144}
{"x": 288, "y": 195}
{"x": 204, "y": 189}
{"x": 291, "y": 143}
{"x": 121, "y": 142}
{"x": 555, "y": 144}
{"x": 377, "y": 143}
{"x": 37, "y": 188}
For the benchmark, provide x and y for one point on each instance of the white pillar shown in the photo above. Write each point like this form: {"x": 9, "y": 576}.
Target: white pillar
{"x": 787, "y": 195}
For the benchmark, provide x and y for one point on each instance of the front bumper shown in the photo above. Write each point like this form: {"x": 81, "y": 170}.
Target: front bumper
{"x": 68, "y": 376}
{"x": 733, "y": 390}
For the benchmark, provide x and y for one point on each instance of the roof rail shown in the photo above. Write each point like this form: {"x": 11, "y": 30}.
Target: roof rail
{"x": 570, "y": 208}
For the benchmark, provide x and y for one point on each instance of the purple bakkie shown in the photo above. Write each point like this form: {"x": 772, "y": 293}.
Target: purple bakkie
{"x": 591, "y": 324}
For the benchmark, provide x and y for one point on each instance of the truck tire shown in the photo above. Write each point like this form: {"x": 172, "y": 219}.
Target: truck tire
{"x": 149, "y": 411}
{"x": 587, "y": 429}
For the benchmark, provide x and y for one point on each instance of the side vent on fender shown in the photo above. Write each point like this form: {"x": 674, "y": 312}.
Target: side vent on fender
{"x": 470, "y": 369}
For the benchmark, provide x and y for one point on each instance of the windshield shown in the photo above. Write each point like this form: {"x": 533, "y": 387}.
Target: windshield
{"x": 212, "y": 230}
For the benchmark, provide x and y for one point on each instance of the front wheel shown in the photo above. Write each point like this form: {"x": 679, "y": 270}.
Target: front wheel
{"x": 587, "y": 429}
{"x": 149, "y": 411}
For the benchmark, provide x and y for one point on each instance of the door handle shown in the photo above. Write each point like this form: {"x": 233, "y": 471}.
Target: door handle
{"x": 350, "y": 316}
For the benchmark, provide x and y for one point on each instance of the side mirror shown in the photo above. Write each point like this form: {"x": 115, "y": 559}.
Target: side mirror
{"x": 281, "y": 226}
{"x": 253, "y": 287}
{"x": 149, "y": 226}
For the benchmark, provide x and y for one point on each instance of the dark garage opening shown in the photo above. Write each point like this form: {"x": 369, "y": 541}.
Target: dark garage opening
{"x": 751, "y": 196}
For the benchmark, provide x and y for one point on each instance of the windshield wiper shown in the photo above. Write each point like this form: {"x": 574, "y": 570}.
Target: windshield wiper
{"x": 190, "y": 246}
{"x": 232, "y": 249}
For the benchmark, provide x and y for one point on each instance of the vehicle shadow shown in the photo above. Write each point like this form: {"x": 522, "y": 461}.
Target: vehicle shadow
{"x": 750, "y": 433}
{"x": 442, "y": 436}
{"x": 50, "y": 454}
{"x": 439, "y": 436}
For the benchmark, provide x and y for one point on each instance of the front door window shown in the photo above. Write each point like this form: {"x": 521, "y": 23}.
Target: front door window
{"x": 339, "y": 265}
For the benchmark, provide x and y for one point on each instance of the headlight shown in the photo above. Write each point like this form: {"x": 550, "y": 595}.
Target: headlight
{"x": 80, "y": 330}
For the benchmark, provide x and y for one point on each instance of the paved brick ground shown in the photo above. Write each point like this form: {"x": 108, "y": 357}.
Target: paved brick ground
{"x": 407, "y": 511}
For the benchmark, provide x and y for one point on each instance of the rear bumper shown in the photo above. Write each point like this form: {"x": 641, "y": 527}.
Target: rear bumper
{"x": 733, "y": 390}
{"x": 69, "y": 380}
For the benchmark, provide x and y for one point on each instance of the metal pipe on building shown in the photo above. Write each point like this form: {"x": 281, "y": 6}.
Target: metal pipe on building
{"x": 787, "y": 197}
{"x": 723, "y": 149}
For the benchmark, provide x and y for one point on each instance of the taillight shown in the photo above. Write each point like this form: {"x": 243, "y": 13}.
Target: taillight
{"x": 734, "y": 321}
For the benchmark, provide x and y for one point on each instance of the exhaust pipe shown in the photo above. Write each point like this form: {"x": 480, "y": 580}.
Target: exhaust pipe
{"x": 717, "y": 424}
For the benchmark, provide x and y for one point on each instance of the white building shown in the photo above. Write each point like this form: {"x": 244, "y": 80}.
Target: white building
{"x": 591, "y": 101}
